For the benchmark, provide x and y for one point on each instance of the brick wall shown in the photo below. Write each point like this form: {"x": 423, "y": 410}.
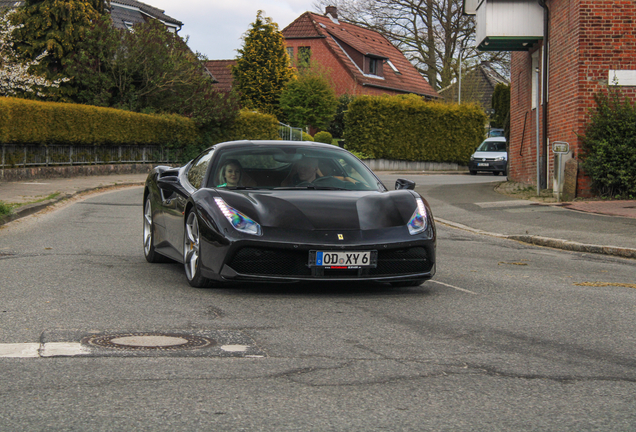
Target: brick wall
{"x": 522, "y": 165}
{"x": 587, "y": 39}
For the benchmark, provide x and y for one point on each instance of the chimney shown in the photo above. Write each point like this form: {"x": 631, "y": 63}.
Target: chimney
{"x": 332, "y": 10}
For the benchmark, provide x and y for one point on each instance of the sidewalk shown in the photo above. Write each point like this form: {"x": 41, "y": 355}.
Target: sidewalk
{"x": 35, "y": 195}
{"x": 606, "y": 227}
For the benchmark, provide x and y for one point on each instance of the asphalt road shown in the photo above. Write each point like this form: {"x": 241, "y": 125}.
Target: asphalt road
{"x": 506, "y": 337}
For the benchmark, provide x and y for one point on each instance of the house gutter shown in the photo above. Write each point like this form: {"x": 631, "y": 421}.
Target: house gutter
{"x": 546, "y": 32}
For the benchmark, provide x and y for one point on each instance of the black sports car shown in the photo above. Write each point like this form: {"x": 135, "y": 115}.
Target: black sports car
{"x": 286, "y": 211}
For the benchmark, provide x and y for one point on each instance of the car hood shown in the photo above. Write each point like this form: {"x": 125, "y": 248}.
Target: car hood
{"x": 490, "y": 155}
{"x": 324, "y": 210}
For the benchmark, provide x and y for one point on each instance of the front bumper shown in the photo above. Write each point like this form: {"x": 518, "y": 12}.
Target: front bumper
{"x": 488, "y": 165}
{"x": 248, "y": 259}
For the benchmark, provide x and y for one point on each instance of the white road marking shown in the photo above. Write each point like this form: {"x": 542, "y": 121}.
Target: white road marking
{"x": 20, "y": 350}
{"x": 51, "y": 349}
{"x": 454, "y": 287}
{"x": 234, "y": 348}
{"x": 66, "y": 349}
{"x": 512, "y": 203}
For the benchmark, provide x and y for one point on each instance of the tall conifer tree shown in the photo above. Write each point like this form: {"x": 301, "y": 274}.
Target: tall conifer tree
{"x": 263, "y": 66}
{"x": 54, "y": 26}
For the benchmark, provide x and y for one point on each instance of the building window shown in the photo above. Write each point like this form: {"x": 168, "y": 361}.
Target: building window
{"x": 304, "y": 55}
{"x": 290, "y": 53}
{"x": 373, "y": 66}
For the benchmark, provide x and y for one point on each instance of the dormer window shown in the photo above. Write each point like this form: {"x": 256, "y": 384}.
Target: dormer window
{"x": 373, "y": 66}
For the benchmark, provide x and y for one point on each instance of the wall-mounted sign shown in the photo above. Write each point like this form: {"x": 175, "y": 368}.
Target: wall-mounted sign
{"x": 560, "y": 147}
{"x": 622, "y": 78}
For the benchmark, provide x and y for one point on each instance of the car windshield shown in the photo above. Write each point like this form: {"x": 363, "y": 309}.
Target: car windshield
{"x": 290, "y": 167}
{"x": 492, "y": 146}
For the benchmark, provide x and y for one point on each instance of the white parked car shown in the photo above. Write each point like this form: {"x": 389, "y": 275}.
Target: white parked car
{"x": 491, "y": 156}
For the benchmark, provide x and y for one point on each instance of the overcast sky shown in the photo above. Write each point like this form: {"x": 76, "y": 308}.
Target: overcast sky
{"x": 215, "y": 27}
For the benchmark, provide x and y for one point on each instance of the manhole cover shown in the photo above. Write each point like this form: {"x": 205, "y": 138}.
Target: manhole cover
{"x": 149, "y": 341}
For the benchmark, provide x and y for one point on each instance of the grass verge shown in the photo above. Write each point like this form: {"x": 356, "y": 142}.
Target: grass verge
{"x": 7, "y": 208}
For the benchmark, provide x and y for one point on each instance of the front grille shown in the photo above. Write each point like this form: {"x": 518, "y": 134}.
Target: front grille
{"x": 402, "y": 261}
{"x": 274, "y": 262}
{"x": 284, "y": 262}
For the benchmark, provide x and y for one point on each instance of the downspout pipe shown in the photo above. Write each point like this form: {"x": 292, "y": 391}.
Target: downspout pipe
{"x": 546, "y": 35}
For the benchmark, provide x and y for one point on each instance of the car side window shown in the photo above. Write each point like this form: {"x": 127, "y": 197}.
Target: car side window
{"x": 198, "y": 169}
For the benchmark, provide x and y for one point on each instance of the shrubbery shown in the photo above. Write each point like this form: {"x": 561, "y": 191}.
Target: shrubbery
{"x": 609, "y": 146}
{"x": 29, "y": 122}
{"x": 409, "y": 128}
{"x": 323, "y": 137}
{"x": 254, "y": 126}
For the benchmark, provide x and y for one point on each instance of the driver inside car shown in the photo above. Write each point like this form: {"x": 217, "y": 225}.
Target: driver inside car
{"x": 305, "y": 170}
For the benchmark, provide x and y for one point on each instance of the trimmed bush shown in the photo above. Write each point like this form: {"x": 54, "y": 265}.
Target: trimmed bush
{"x": 609, "y": 146}
{"x": 30, "y": 122}
{"x": 252, "y": 125}
{"x": 307, "y": 137}
{"x": 409, "y": 128}
{"x": 323, "y": 137}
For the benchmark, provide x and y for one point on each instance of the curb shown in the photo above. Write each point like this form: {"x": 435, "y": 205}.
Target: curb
{"x": 550, "y": 242}
{"x": 30, "y": 209}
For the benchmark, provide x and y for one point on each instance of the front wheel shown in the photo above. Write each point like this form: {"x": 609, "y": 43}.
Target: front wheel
{"x": 192, "y": 253}
{"x": 149, "y": 237}
{"x": 473, "y": 172}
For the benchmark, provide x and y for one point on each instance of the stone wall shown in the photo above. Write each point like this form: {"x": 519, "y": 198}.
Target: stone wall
{"x": 19, "y": 174}
{"x": 396, "y": 165}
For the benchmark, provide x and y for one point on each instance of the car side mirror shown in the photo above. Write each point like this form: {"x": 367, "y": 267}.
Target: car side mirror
{"x": 172, "y": 184}
{"x": 404, "y": 184}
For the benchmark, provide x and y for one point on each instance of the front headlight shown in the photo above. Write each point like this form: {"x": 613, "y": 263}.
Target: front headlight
{"x": 472, "y": 158}
{"x": 418, "y": 222}
{"x": 238, "y": 220}
{"x": 499, "y": 159}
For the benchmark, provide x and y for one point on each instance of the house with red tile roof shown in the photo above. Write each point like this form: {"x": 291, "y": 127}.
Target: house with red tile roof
{"x": 360, "y": 61}
{"x": 221, "y": 71}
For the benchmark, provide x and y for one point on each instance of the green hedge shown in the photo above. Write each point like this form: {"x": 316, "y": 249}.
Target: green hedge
{"x": 323, "y": 137}
{"x": 252, "y": 125}
{"x": 30, "y": 122}
{"x": 409, "y": 128}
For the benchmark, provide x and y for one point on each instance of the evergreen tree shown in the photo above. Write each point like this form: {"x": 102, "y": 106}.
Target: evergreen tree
{"x": 263, "y": 67}
{"x": 54, "y": 26}
{"x": 501, "y": 104}
{"x": 309, "y": 100}
{"x": 147, "y": 70}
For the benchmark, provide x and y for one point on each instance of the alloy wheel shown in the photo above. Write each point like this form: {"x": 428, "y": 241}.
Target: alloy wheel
{"x": 147, "y": 227}
{"x": 191, "y": 246}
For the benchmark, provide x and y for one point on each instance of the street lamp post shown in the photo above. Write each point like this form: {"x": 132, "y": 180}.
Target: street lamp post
{"x": 459, "y": 97}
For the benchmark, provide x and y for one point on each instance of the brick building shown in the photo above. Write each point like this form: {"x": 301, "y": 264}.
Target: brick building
{"x": 360, "y": 61}
{"x": 591, "y": 45}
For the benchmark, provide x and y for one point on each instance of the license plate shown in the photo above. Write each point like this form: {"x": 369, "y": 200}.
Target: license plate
{"x": 343, "y": 259}
{"x": 482, "y": 164}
